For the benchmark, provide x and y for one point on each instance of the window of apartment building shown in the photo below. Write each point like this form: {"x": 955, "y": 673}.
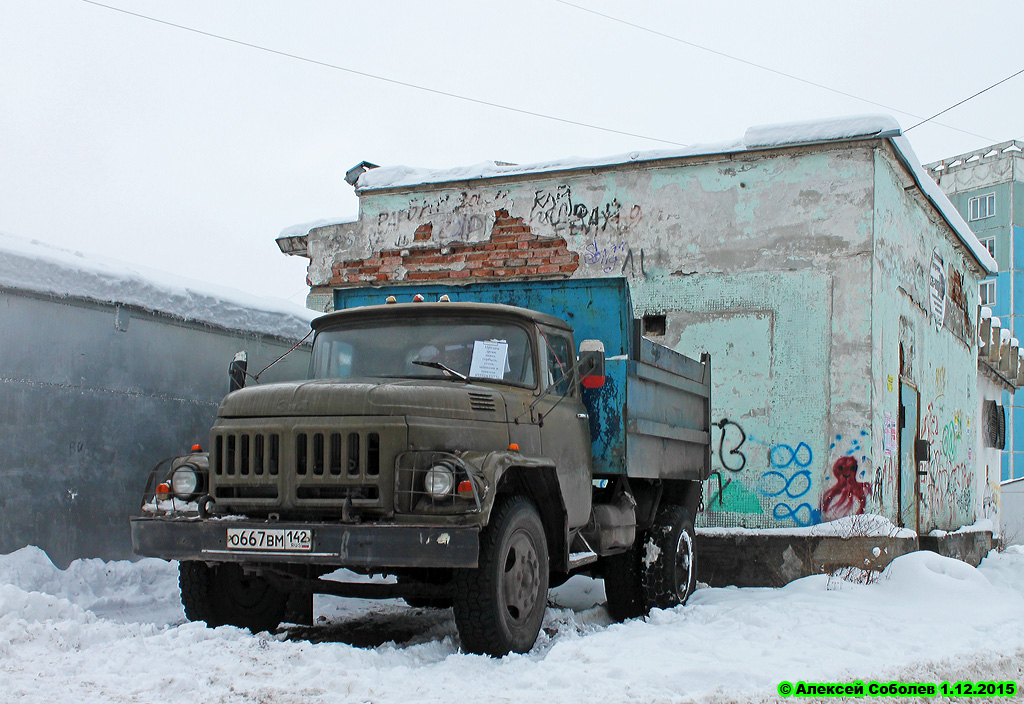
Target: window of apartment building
{"x": 990, "y": 244}
{"x": 987, "y": 292}
{"x": 980, "y": 207}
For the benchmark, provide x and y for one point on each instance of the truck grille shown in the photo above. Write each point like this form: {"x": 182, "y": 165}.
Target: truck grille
{"x": 305, "y": 466}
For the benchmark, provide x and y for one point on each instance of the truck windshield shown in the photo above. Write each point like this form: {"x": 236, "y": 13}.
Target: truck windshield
{"x": 485, "y": 350}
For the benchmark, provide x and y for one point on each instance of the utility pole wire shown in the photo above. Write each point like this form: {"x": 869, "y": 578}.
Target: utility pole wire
{"x": 763, "y": 68}
{"x": 392, "y": 81}
{"x": 965, "y": 100}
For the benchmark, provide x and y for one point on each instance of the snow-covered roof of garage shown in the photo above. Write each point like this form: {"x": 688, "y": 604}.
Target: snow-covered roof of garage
{"x": 755, "y": 139}
{"x": 32, "y": 266}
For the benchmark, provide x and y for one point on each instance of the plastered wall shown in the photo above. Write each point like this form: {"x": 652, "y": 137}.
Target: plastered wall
{"x": 769, "y": 261}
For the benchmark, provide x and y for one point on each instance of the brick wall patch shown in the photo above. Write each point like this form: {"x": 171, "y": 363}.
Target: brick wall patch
{"x": 512, "y": 250}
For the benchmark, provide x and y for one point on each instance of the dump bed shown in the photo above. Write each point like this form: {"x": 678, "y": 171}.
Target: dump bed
{"x": 652, "y": 417}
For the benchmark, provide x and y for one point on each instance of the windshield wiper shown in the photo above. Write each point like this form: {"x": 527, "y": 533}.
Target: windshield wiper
{"x": 447, "y": 370}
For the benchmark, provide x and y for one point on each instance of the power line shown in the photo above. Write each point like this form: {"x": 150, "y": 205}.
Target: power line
{"x": 965, "y": 100}
{"x": 385, "y": 79}
{"x": 754, "y": 64}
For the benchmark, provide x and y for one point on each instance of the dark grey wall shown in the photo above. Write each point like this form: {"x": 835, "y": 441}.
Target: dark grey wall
{"x": 91, "y": 397}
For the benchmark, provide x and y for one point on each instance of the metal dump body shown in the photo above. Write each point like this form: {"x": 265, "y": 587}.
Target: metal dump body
{"x": 652, "y": 417}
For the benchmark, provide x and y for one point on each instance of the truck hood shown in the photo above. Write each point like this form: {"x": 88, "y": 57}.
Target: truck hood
{"x": 366, "y": 397}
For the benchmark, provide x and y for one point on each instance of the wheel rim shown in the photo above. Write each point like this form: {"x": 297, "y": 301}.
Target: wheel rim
{"x": 520, "y": 578}
{"x": 684, "y": 565}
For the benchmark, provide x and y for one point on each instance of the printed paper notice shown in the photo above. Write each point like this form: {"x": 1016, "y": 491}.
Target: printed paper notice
{"x": 490, "y": 359}
{"x": 889, "y": 439}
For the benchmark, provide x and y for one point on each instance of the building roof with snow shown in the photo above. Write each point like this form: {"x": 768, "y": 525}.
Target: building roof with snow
{"x": 32, "y": 266}
{"x": 757, "y": 138}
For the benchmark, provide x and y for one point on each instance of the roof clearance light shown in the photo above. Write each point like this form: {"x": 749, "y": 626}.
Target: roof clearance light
{"x": 418, "y": 298}
{"x": 197, "y": 448}
{"x": 513, "y": 448}
{"x": 391, "y": 299}
{"x": 444, "y": 299}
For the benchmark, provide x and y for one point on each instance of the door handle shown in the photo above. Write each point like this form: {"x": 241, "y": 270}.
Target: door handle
{"x": 582, "y": 416}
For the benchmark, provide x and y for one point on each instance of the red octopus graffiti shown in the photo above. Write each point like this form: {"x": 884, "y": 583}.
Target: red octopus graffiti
{"x": 848, "y": 496}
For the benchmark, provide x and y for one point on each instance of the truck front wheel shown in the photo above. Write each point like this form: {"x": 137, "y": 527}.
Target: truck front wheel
{"x": 667, "y": 560}
{"x": 223, "y": 594}
{"x": 499, "y": 606}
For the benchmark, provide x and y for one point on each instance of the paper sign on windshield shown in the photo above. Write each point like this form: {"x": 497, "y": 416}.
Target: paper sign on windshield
{"x": 490, "y": 359}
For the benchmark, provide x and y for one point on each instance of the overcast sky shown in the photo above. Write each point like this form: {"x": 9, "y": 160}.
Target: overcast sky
{"x": 162, "y": 147}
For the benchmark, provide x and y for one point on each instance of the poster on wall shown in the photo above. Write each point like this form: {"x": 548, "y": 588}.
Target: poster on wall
{"x": 889, "y": 439}
{"x": 937, "y": 286}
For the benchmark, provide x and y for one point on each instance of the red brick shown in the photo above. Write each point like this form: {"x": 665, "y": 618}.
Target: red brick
{"x": 498, "y": 239}
{"x": 515, "y": 262}
{"x": 460, "y": 274}
{"x": 484, "y": 272}
{"x": 547, "y": 269}
{"x": 561, "y": 259}
{"x": 569, "y": 267}
{"x": 529, "y": 270}
{"x": 474, "y": 256}
{"x": 416, "y": 275}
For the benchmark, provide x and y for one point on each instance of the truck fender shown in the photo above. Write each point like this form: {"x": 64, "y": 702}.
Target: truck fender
{"x": 535, "y": 478}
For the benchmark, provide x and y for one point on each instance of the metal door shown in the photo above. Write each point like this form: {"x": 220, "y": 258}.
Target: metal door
{"x": 910, "y": 419}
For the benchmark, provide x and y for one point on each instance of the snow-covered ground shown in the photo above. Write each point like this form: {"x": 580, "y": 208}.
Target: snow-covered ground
{"x": 115, "y": 632}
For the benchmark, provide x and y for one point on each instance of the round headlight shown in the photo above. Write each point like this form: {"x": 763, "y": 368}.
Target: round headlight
{"x": 184, "y": 483}
{"x": 439, "y": 481}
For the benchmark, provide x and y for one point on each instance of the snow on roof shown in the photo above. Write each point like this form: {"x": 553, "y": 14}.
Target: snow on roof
{"x": 304, "y": 228}
{"x": 40, "y": 268}
{"x": 755, "y": 138}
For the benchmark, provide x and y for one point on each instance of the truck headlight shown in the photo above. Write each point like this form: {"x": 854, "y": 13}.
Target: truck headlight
{"x": 185, "y": 483}
{"x": 439, "y": 481}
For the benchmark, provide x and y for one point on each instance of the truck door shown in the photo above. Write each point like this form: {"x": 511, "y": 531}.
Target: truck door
{"x": 565, "y": 433}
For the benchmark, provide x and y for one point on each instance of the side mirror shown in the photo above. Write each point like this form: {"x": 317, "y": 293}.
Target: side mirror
{"x": 591, "y": 364}
{"x": 236, "y": 372}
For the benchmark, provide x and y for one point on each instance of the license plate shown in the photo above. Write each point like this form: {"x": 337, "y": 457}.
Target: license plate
{"x": 270, "y": 539}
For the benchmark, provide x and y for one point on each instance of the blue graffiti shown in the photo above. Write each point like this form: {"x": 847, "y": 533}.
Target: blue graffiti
{"x": 782, "y": 456}
{"x": 802, "y": 515}
{"x": 787, "y": 488}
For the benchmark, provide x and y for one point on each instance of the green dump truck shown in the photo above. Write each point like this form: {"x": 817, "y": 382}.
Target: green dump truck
{"x": 479, "y": 443}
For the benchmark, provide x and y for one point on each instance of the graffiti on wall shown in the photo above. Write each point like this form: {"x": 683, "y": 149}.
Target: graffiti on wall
{"x": 947, "y": 493}
{"x": 778, "y": 480}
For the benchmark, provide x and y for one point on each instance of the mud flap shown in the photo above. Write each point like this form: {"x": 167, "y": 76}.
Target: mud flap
{"x": 299, "y": 609}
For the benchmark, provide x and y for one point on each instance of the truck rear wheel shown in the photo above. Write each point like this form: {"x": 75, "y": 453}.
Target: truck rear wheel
{"x": 499, "y": 606}
{"x": 223, "y": 594}
{"x": 667, "y": 561}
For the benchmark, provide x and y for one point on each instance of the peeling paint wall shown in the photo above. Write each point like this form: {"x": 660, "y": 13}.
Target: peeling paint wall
{"x": 926, "y": 298}
{"x": 769, "y": 261}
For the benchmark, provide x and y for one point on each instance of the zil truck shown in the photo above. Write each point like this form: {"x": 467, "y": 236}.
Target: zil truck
{"x": 456, "y": 439}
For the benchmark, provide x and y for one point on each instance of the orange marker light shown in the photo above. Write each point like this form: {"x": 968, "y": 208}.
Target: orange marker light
{"x": 418, "y": 298}
{"x": 513, "y": 448}
{"x": 391, "y": 299}
{"x": 465, "y": 487}
{"x": 162, "y": 490}
{"x": 197, "y": 448}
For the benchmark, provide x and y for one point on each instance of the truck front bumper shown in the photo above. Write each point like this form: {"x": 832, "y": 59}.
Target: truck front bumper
{"x": 341, "y": 545}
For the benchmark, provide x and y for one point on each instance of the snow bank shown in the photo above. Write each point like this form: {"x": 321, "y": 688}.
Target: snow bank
{"x": 927, "y": 615}
{"x": 755, "y": 138}
{"x": 866, "y": 525}
{"x": 40, "y": 268}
